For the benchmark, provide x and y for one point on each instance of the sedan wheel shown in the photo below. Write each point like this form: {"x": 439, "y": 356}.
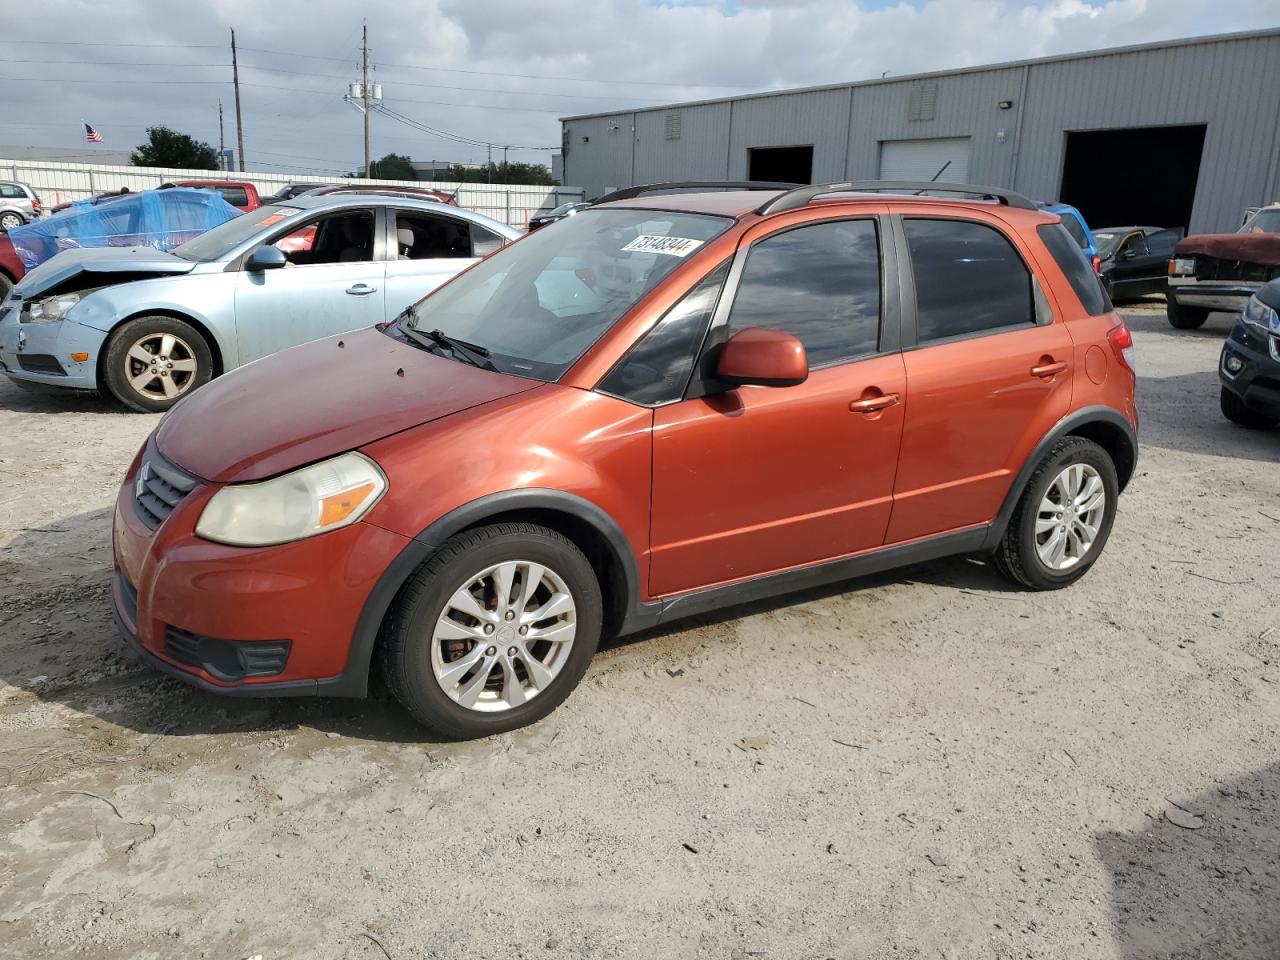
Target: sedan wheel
{"x": 503, "y": 636}
{"x": 160, "y": 366}
{"x": 1070, "y": 517}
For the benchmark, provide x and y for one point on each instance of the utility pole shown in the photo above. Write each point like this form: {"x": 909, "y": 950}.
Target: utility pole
{"x": 504, "y": 162}
{"x": 235, "y": 80}
{"x": 365, "y": 91}
{"x": 489, "y": 166}
{"x": 222, "y": 141}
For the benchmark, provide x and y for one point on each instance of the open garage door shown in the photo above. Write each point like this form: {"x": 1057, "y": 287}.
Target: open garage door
{"x": 1140, "y": 175}
{"x": 922, "y": 159}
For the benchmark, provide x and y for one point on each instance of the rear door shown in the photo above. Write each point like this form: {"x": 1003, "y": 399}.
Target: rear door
{"x": 988, "y": 371}
{"x": 333, "y": 283}
{"x": 426, "y": 249}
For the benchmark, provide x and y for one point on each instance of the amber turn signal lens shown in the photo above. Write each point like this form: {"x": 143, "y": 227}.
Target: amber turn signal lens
{"x": 338, "y": 507}
{"x": 79, "y": 357}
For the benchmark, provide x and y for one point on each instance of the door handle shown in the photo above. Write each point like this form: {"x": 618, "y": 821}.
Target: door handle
{"x": 361, "y": 290}
{"x": 873, "y": 404}
{"x": 1047, "y": 370}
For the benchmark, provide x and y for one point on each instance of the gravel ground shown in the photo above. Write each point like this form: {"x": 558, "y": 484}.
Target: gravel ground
{"x": 923, "y": 764}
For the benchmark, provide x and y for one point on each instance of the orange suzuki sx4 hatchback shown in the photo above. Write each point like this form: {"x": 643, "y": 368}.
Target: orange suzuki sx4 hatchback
{"x": 681, "y": 398}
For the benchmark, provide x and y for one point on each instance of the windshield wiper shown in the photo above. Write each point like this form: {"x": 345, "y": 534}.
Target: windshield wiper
{"x": 471, "y": 353}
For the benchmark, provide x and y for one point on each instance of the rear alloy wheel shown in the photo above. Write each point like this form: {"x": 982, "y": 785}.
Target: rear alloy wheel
{"x": 1233, "y": 409}
{"x": 1063, "y": 518}
{"x": 494, "y": 631}
{"x": 11, "y": 221}
{"x": 1183, "y": 317}
{"x": 153, "y": 362}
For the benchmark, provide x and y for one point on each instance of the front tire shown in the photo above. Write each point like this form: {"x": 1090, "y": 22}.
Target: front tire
{"x": 153, "y": 362}
{"x": 11, "y": 221}
{"x": 1233, "y": 409}
{"x": 493, "y": 632}
{"x": 1063, "y": 518}
{"x": 1183, "y": 317}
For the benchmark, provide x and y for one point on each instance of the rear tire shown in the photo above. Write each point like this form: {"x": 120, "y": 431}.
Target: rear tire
{"x": 1046, "y": 510}
{"x": 153, "y": 362}
{"x": 1233, "y": 409}
{"x": 1183, "y": 317}
{"x": 11, "y": 221}
{"x": 5, "y": 285}
{"x": 460, "y": 648}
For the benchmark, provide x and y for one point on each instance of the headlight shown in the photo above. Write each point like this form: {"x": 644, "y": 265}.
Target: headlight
{"x": 316, "y": 499}
{"x": 50, "y": 308}
{"x": 1258, "y": 315}
{"x": 1182, "y": 267}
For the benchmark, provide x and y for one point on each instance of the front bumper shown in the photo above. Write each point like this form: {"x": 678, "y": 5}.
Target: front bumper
{"x": 1257, "y": 383}
{"x": 41, "y": 352}
{"x": 1227, "y": 296}
{"x": 307, "y": 596}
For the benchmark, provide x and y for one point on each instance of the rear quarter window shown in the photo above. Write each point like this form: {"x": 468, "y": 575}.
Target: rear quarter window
{"x": 1076, "y": 231}
{"x": 1078, "y": 271}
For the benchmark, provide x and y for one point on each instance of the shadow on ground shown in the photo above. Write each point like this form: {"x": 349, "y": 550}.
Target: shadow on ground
{"x": 1206, "y": 894}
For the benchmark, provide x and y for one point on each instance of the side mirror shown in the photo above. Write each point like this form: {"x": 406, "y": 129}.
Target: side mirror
{"x": 1127, "y": 254}
{"x": 265, "y": 258}
{"x": 765, "y": 358}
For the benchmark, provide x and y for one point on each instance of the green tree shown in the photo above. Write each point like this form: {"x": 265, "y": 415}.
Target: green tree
{"x": 168, "y": 148}
{"x": 393, "y": 166}
{"x": 525, "y": 173}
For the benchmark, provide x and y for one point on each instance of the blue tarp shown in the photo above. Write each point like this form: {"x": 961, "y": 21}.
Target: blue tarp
{"x": 155, "y": 218}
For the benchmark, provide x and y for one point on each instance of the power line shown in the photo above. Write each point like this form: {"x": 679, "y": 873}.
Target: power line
{"x": 96, "y": 43}
{"x": 445, "y": 134}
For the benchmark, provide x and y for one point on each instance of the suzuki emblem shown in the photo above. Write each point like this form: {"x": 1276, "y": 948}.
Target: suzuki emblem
{"x": 140, "y": 485}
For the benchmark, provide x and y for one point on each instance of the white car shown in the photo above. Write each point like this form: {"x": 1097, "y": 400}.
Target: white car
{"x": 149, "y": 326}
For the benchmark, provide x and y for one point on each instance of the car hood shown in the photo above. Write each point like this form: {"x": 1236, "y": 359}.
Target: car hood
{"x": 130, "y": 261}
{"x": 316, "y": 401}
{"x": 1250, "y": 247}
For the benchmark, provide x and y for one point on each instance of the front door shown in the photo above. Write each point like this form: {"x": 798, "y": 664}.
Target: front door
{"x": 989, "y": 374}
{"x": 333, "y": 283}
{"x": 758, "y": 479}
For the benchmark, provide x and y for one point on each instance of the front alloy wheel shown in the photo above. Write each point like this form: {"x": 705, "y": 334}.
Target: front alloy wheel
{"x": 504, "y": 636}
{"x": 153, "y": 362}
{"x": 493, "y": 631}
{"x": 160, "y": 366}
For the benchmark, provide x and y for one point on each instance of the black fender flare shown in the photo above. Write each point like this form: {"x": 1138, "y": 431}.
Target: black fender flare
{"x": 1109, "y": 417}
{"x": 354, "y": 680}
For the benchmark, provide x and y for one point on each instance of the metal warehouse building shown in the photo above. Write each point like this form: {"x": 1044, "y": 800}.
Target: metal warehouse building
{"x": 1183, "y": 133}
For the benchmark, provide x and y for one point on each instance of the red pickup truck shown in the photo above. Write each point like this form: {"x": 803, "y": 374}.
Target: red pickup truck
{"x": 239, "y": 193}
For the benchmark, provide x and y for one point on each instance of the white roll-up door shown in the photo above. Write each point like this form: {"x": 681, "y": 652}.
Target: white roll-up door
{"x": 922, "y": 159}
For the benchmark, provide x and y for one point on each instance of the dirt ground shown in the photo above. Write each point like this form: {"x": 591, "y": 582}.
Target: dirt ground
{"x": 919, "y": 765}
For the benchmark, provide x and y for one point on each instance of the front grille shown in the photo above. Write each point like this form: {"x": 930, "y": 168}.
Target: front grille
{"x": 226, "y": 659}
{"x": 41, "y": 363}
{"x": 1216, "y": 268}
{"x": 158, "y": 488}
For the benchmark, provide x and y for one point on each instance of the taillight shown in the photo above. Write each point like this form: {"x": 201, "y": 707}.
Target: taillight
{"x": 1121, "y": 341}
{"x": 1097, "y": 263}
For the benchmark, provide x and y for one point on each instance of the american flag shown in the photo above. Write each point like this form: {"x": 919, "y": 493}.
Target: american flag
{"x": 91, "y": 135}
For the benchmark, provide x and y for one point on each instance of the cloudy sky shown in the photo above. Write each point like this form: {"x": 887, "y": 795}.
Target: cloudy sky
{"x": 502, "y": 71}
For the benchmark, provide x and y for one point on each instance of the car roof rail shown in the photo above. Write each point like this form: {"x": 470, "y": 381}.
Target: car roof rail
{"x": 630, "y": 193}
{"x": 802, "y": 196}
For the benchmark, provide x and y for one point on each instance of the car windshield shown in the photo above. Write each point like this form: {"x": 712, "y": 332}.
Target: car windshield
{"x": 561, "y": 210}
{"x": 220, "y": 241}
{"x": 1264, "y": 221}
{"x": 1107, "y": 241}
{"x": 537, "y": 305}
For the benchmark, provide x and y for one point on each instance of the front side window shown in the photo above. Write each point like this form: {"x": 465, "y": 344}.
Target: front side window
{"x": 968, "y": 278}
{"x": 236, "y": 196}
{"x": 656, "y": 370}
{"x": 820, "y": 283}
{"x": 1162, "y": 242}
{"x": 345, "y": 237}
{"x": 538, "y": 304}
{"x": 1135, "y": 246}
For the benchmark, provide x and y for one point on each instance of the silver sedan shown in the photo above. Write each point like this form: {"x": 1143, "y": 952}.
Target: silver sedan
{"x": 149, "y": 327}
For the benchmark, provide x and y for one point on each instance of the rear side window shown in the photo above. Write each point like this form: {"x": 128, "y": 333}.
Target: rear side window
{"x": 968, "y": 279}
{"x": 819, "y": 283}
{"x": 1075, "y": 268}
{"x": 657, "y": 368}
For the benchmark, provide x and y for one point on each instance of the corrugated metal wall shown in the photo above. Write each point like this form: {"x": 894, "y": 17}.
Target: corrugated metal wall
{"x": 1232, "y": 84}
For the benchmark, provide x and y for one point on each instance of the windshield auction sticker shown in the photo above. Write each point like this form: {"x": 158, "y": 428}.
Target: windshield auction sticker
{"x": 671, "y": 246}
